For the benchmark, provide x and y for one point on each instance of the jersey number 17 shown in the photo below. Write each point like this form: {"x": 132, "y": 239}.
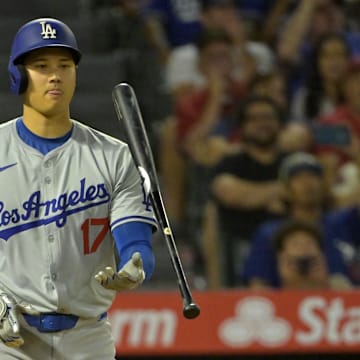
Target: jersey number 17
{"x": 91, "y": 245}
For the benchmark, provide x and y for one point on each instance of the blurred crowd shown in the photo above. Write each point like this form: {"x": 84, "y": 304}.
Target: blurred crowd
{"x": 258, "y": 149}
{"x": 253, "y": 112}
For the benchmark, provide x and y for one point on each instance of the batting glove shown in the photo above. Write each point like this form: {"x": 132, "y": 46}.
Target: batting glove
{"x": 9, "y": 324}
{"x": 130, "y": 276}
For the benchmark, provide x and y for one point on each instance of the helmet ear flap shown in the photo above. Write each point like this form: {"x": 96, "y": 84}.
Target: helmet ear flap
{"x": 18, "y": 79}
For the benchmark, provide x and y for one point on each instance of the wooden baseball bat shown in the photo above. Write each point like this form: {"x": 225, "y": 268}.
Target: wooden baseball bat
{"x": 130, "y": 117}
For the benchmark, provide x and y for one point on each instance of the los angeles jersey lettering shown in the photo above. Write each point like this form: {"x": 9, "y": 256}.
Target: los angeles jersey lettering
{"x": 37, "y": 212}
{"x": 88, "y": 186}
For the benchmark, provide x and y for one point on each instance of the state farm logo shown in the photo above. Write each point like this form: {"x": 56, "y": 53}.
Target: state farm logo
{"x": 255, "y": 321}
{"x": 149, "y": 328}
{"x": 315, "y": 320}
{"x": 329, "y": 321}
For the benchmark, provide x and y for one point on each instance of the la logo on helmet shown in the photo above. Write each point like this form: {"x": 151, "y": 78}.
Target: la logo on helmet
{"x": 47, "y": 31}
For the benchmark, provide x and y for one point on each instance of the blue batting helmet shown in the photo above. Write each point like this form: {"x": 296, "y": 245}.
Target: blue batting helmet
{"x": 37, "y": 34}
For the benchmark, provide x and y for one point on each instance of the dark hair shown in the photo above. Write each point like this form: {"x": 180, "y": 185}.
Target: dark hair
{"x": 260, "y": 78}
{"x": 207, "y": 4}
{"x": 209, "y": 36}
{"x": 253, "y": 99}
{"x": 314, "y": 82}
{"x": 293, "y": 226}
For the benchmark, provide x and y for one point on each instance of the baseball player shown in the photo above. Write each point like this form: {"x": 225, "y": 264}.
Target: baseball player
{"x": 75, "y": 221}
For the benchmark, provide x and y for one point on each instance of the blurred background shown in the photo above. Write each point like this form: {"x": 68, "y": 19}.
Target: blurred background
{"x": 253, "y": 112}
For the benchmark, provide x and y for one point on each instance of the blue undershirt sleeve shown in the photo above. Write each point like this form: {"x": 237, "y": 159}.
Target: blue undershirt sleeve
{"x": 132, "y": 237}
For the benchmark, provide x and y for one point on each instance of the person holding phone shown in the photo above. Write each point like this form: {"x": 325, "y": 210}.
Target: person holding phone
{"x": 345, "y": 117}
{"x": 300, "y": 257}
{"x": 337, "y": 140}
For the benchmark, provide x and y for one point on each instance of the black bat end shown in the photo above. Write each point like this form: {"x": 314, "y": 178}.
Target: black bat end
{"x": 191, "y": 311}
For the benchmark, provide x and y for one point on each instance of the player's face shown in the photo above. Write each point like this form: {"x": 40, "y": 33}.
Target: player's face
{"x": 52, "y": 79}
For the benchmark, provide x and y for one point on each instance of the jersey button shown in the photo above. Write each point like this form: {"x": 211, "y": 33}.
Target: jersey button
{"x": 47, "y": 164}
{"x": 53, "y": 277}
{"x": 50, "y": 286}
{"x": 48, "y": 180}
{"x": 51, "y": 237}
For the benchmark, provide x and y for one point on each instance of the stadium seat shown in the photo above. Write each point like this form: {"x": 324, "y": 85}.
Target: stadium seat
{"x": 8, "y": 28}
{"x": 57, "y": 9}
{"x": 4, "y": 77}
{"x": 21, "y": 8}
{"x": 10, "y": 105}
{"x": 96, "y": 110}
{"x": 100, "y": 72}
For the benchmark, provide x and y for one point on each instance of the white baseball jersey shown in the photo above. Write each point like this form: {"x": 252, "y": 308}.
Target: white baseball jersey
{"x": 56, "y": 213}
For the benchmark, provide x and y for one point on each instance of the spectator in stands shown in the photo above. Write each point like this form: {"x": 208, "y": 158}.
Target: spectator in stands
{"x": 307, "y": 201}
{"x": 343, "y": 229}
{"x": 262, "y": 18}
{"x": 207, "y": 114}
{"x": 294, "y": 136}
{"x": 308, "y": 23}
{"x": 321, "y": 92}
{"x": 182, "y": 70}
{"x": 300, "y": 257}
{"x": 203, "y": 122}
{"x": 341, "y": 154}
{"x": 172, "y": 23}
{"x": 272, "y": 84}
{"x": 272, "y": 18}
{"x": 245, "y": 188}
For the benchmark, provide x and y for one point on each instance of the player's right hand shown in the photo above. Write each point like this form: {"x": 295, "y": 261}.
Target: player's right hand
{"x": 9, "y": 323}
{"x": 130, "y": 276}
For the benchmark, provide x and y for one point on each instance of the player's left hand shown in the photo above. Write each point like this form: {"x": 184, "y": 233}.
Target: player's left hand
{"x": 130, "y": 276}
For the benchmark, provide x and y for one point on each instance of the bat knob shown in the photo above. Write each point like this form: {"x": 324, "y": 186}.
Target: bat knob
{"x": 191, "y": 311}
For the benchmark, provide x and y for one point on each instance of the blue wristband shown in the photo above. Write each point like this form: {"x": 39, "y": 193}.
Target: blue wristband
{"x": 135, "y": 237}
